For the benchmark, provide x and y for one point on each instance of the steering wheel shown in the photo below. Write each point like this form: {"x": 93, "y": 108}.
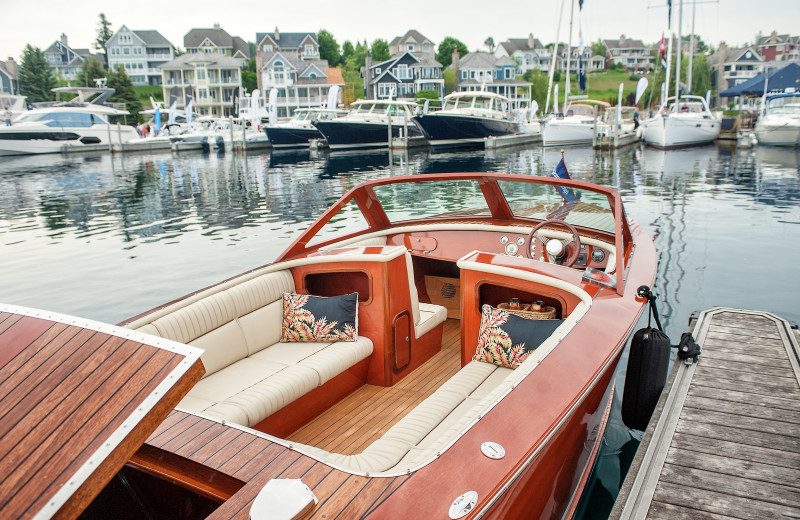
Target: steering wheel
{"x": 553, "y": 249}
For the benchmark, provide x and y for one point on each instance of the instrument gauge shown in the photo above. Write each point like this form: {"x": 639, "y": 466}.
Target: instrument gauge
{"x": 511, "y": 249}
{"x": 598, "y": 255}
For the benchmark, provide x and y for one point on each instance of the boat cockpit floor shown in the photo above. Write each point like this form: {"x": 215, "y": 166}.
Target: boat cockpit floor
{"x": 362, "y": 417}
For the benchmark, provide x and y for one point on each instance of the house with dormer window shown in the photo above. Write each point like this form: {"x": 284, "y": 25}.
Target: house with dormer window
{"x": 778, "y": 47}
{"x": 303, "y": 45}
{"x": 479, "y": 71}
{"x": 413, "y": 41}
{"x": 402, "y": 76}
{"x": 300, "y": 82}
{"x": 634, "y": 55}
{"x": 217, "y": 41}
{"x": 213, "y": 77}
{"x": 68, "y": 61}
{"x": 732, "y": 66}
{"x": 591, "y": 61}
{"x": 529, "y": 53}
{"x": 140, "y": 53}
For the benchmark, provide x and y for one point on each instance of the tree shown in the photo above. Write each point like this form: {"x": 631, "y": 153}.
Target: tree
{"x": 379, "y": 50}
{"x": 347, "y": 50}
{"x": 488, "y": 42}
{"x": 119, "y": 80}
{"x": 90, "y": 71}
{"x": 328, "y": 48}
{"x": 599, "y": 48}
{"x": 351, "y": 71}
{"x": 701, "y": 75}
{"x": 249, "y": 80}
{"x": 104, "y": 33}
{"x": 445, "y": 54}
{"x": 539, "y": 81}
{"x": 36, "y": 79}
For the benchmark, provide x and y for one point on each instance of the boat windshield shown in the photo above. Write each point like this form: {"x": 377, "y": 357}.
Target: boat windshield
{"x": 361, "y": 108}
{"x": 578, "y": 207}
{"x": 420, "y": 200}
{"x": 63, "y": 119}
{"x": 784, "y": 105}
{"x": 793, "y": 109}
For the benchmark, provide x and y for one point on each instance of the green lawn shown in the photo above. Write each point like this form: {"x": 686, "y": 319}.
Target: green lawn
{"x": 603, "y": 86}
{"x": 145, "y": 91}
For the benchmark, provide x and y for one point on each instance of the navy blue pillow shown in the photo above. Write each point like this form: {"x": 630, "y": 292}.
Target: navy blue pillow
{"x": 507, "y": 339}
{"x": 316, "y": 318}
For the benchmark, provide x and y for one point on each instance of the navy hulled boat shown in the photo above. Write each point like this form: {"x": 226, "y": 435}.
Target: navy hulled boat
{"x": 468, "y": 117}
{"x": 299, "y": 130}
{"x": 367, "y": 124}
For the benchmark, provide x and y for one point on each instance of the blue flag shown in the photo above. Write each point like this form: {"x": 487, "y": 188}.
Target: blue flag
{"x": 581, "y": 75}
{"x": 560, "y": 172}
{"x": 157, "y": 120}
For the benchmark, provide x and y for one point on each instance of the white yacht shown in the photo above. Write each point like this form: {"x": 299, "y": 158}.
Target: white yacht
{"x": 681, "y": 123}
{"x": 48, "y": 127}
{"x": 469, "y": 117}
{"x": 576, "y": 126}
{"x": 367, "y": 124}
{"x": 780, "y": 124}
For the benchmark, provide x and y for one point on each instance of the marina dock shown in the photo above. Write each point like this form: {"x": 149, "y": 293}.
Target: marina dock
{"x": 724, "y": 440}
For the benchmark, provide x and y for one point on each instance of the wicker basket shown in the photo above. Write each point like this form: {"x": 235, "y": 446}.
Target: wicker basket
{"x": 548, "y": 313}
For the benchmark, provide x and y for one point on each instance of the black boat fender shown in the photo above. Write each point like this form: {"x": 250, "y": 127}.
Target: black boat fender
{"x": 220, "y": 144}
{"x": 648, "y": 363}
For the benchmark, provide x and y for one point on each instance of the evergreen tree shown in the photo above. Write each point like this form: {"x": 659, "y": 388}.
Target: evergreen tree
{"x": 445, "y": 54}
{"x": 379, "y": 50}
{"x": 328, "y": 48}
{"x": 119, "y": 80}
{"x": 104, "y": 33}
{"x": 599, "y": 48}
{"x": 36, "y": 78}
{"x": 90, "y": 71}
{"x": 347, "y": 50}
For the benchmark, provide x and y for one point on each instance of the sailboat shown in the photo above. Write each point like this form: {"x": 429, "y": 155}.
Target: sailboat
{"x": 682, "y": 120}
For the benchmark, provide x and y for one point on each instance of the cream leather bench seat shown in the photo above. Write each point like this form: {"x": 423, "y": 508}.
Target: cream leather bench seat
{"x": 250, "y": 374}
{"x": 426, "y": 428}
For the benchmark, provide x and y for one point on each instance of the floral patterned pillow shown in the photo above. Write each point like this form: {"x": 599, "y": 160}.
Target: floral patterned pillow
{"x": 309, "y": 318}
{"x": 506, "y": 339}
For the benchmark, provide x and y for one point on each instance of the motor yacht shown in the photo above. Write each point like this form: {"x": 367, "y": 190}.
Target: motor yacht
{"x": 300, "y": 129}
{"x": 368, "y": 123}
{"x": 780, "y": 123}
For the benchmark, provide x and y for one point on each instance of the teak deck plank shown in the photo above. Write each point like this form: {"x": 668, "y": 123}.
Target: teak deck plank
{"x": 727, "y": 443}
{"x": 362, "y": 417}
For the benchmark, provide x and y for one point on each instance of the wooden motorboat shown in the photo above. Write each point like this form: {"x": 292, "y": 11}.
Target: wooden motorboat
{"x": 414, "y": 416}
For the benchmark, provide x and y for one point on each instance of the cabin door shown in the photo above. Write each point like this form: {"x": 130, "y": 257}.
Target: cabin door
{"x": 402, "y": 341}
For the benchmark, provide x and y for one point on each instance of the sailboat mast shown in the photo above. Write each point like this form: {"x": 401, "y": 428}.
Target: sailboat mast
{"x": 553, "y": 61}
{"x": 691, "y": 47}
{"x": 678, "y": 56}
{"x": 569, "y": 50}
{"x": 669, "y": 56}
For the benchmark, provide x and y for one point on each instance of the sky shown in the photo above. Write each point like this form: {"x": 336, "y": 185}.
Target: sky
{"x": 41, "y": 22}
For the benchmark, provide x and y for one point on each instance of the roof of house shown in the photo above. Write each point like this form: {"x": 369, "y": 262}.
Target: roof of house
{"x": 624, "y": 43}
{"x": 153, "y": 38}
{"x": 482, "y": 60}
{"x": 513, "y": 45}
{"x": 240, "y": 45}
{"x": 335, "y": 76}
{"x": 189, "y": 59}
{"x": 495, "y": 82}
{"x": 286, "y": 40}
{"x": 195, "y": 37}
{"x": 772, "y": 39}
{"x": 412, "y": 34}
{"x": 300, "y": 65}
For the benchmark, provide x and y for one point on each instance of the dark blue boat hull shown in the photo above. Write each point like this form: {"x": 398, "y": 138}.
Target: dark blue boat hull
{"x": 351, "y": 134}
{"x": 285, "y": 137}
{"x": 450, "y": 129}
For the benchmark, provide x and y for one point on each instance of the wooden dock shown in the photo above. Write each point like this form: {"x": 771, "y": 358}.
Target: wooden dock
{"x": 724, "y": 440}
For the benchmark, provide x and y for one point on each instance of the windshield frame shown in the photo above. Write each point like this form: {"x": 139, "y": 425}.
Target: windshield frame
{"x": 500, "y": 211}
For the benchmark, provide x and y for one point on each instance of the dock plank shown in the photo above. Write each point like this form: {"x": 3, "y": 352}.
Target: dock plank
{"x": 725, "y": 442}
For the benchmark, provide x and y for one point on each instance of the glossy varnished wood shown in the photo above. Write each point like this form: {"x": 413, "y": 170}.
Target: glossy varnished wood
{"x": 68, "y": 393}
{"x": 366, "y": 414}
{"x": 730, "y": 446}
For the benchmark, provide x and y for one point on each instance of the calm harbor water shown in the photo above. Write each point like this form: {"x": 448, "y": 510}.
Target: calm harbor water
{"x": 109, "y": 237}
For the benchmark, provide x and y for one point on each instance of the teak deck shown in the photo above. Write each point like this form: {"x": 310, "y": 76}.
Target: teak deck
{"x": 362, "y": 417}
{"x": 727, "y": 443}
{"x": 77, "y": 398}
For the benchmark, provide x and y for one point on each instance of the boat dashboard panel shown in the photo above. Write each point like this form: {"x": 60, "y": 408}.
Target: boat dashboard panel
{"x": 451, "y": 245}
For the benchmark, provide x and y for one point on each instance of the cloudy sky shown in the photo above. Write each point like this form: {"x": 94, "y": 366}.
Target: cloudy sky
{"x": 40, "y": 22}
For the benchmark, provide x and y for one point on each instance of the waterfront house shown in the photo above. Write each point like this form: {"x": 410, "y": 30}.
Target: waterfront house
{"x": 217, "y": 41}
{"x": 214, "y": 78}
{"x": 9, "y": 77}
{"x": 529, "y": 53}
{"x": 482, "y": 71}
{"x": 778, "y": 47}
{"x": 303, "y": 45}
{"x": 140, "y": 53}
{"x": 402, "y": 76}
{"x": 67, "y": 61}
{"x": 300, "y": 83}
{"x": 591, "y": 61}
{"x": 634, "y": 55}
{"x": 413, "y": 41}
{"x": 733, "y": 66}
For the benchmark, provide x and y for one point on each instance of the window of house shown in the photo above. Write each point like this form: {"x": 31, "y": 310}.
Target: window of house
{"x": 410, "y": 46}
{"x": 267, "y": 48}
{"x": 115, "y": 51}
{"x": 402, "y": 72}
{"x": 309, "y": 50}
{"x": 509, "y": 73}
{"x": 426, "y": 48}
{"x": 201, "y": 73}
{"x": 386, "y": 89}
{"x": 377, "y": 72}
{"x": 464, "y": 74}
{"x": 126, "y": 51}
{"x": 278, "y": 72}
